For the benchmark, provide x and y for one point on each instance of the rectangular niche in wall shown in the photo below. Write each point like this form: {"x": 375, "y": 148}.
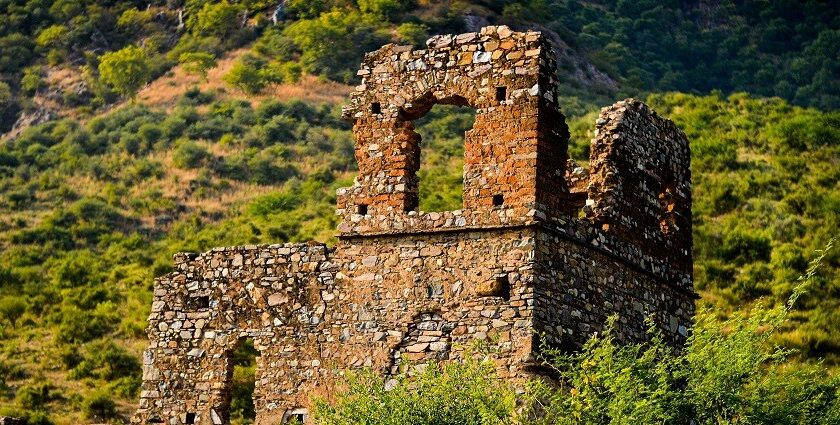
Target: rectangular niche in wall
{"x": 297, "y": 415}
{"x": 498, "y": 286}
{"x": 202, "y": 302}
{"x": 501, "y": 93}
{"x": 498, "y": 200}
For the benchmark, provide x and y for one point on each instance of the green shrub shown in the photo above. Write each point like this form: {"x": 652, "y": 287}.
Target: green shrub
{"x": 413, "y": 33}
{"x": 383, "y": 8}
{"x": 126, "y": 70}
{"x": 245, "y": 77}
{"x": 34, "y": 396}
{"x": 99, "y": 406}
{"x": 189, "y": 154}
{"x": 52, "y": 36}
{"x": 466, "y": 392}
{"x": 31, "y": 80}
{"x": 216, "y": 18}
{"x": 727, "y": 374}
{"x": 197, "y": 63}
{"x": 742, "y": 247}
{"x": 77, "y": 325}
{"x": 12, "y": 308}
{"x": 103, "y": 359}
{"x": 333, "y": 43}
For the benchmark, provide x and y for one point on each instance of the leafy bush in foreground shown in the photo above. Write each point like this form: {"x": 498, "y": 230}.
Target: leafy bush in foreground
{"x": 467, "y": 393}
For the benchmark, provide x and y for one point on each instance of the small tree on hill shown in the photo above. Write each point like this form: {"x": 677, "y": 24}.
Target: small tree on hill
{"x": 197, "y": 63}
{"x": 216, "y": 18}
{"x": 126, "y": 70}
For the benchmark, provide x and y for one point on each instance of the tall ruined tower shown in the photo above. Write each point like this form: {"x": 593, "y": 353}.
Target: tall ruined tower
{"x": 541, "y": 247}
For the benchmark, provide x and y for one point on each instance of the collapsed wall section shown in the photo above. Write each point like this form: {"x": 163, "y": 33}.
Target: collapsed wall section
{"x": 630, "y": 254}
{"x": 380, "y": 303}
{"x": 640, "y": 183}
{"x": 579, "y": 286}
{"x": 279, "y": 296}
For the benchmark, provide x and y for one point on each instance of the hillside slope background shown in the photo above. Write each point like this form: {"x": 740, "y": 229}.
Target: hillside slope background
{"x": 227, "y": 132}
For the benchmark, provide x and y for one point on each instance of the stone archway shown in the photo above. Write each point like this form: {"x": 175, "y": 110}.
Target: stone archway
{"x": 438, "y": 165}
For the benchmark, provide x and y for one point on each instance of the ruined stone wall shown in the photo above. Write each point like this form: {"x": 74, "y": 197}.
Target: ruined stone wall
{"x": 541, "y": 247}
{"x": 509, "y": 78}
{"x": 312, "y": 313}
{"x": 580, "y": 285}
{"x": 278, "y": 295}
{"x": 640, "y": 182}
{"x": 479, "y": 285}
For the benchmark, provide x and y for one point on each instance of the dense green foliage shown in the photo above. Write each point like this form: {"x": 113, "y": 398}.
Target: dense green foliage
{"x": 458, "y": 393}
{"x": 764, "y": 47}
{"x": 726, "y": 374}
{"x": 768, "y": 48}
{"x": 78, "y": 259}
{"x": 125, "y": 70}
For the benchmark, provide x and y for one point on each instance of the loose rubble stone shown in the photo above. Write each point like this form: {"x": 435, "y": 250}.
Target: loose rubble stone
{"x": 541, "y": 246}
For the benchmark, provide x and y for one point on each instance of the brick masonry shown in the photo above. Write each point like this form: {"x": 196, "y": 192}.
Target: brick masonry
{"x": 541, "y": 247}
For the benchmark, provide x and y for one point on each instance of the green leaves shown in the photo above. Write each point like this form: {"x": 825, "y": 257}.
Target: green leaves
{"x": 216, "y": 18}
{"x": 126, "y": 70}
{"x": 197, "y": 63}
{"x": 728, "y": 373}
{"x": 466, "y": 392}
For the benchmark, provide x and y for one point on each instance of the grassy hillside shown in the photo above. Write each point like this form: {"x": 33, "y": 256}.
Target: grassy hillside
{"x": 94, "y": 211}
{"x": 53, "y": 51}
{"x": 93, "y": 204}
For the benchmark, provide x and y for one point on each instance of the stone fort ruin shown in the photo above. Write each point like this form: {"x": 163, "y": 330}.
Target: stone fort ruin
{"x": 542, "y": 248}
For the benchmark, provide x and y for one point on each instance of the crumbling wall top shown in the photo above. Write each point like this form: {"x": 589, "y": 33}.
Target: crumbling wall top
{"x": 462, "y": 69}
{"x": 640, "y": 182}
{"x": 509, "y": 78}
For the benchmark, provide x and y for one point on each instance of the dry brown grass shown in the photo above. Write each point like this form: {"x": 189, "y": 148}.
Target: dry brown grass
{"x": 165, "y": 91}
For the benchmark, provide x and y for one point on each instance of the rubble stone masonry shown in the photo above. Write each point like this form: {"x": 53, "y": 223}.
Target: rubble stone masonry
{"x": 542, "y": 248}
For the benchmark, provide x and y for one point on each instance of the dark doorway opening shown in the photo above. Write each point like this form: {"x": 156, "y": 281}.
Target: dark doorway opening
{"x": 243, "y": 361}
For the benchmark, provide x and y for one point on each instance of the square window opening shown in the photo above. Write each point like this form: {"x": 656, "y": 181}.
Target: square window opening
{"x": 501, "y": 93}
{"x": 503, "y": 287}
{"x": 202, "y": 302}
{"x": 295, "y": 416}
{"x": 498, "y": 200}
{"x": 362, "y": 209}
{"x": 190, "y": 418}
{"x": 376, "y": 108}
